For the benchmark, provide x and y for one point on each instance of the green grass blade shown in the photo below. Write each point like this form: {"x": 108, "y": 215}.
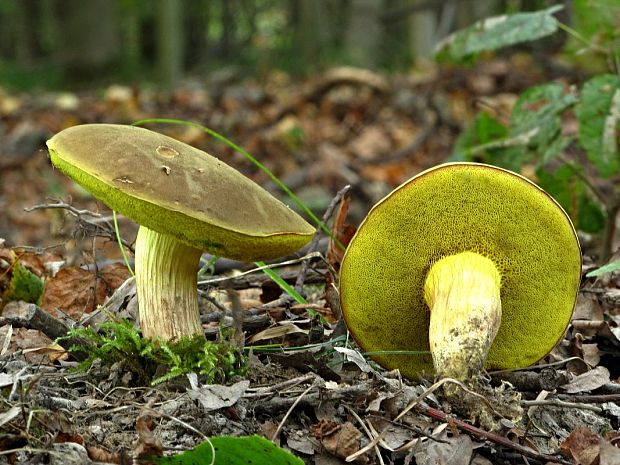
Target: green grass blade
{"x": 286, "y": 287}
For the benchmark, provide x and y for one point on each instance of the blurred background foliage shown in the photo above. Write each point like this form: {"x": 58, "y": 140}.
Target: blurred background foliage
{"x": 56, "y": 43}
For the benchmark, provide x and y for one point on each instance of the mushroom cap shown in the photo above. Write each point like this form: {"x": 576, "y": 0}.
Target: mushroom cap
{"x": 449, "y": 209}
{"x": 176, "y": 189}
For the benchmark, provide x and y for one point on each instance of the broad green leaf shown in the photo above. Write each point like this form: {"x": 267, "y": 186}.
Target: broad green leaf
{"x": 483, "y": 130}
{"x": 250, "y": 450}
{"x": 497, "y": 32}
{"x": 598, "y": 114}
{"x": 571, "y": 192}
{"x": 609, "y": 268}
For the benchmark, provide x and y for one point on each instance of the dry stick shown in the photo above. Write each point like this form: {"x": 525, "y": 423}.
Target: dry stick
{"x": 315, "y": 240}
{"x": 99, "y": 225}
{"x": 368, "y": 433}
{"x": 560, "y": 403}
{"x": 591, "y": 398}
{"x": 488, "y": 436}
{"x": 290, "y": 410}
{"x": 278, "y": 387}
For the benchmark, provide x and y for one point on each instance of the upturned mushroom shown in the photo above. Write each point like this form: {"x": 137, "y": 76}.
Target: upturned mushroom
{"x": 186, "y": 202}
{"x": 473, "y": 263}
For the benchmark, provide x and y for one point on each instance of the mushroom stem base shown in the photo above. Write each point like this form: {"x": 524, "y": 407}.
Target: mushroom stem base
{"x": 166, "y": 285}
{"x": 463, "y": 294}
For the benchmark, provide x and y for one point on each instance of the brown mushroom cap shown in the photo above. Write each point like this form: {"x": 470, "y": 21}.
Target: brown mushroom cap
{"x": 455, "y": 208}
{"x": 173, "y": 188}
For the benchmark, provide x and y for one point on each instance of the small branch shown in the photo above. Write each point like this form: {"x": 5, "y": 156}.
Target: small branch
{"x": 560, "y": 403}
{"x": 315, "y": 240}
{"x": 488, "y": 436}
{"x": 90, "y": 223}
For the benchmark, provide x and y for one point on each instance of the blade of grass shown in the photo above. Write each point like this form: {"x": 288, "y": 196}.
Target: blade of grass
{"x": 286, "y": 287}
{"x": 120, "y": 244}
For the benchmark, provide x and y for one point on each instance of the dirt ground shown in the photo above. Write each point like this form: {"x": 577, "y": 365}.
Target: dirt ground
{"x": 324, "y": 401}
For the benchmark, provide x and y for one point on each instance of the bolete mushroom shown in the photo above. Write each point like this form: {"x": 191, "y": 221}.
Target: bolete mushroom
{"x": 472, "y": 262}
{"x": 186, "y": 202}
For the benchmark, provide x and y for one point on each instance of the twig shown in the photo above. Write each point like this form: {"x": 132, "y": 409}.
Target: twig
{"x": 258, "y": 268}
{"x": 290, "y": 410}
{"x": 92, "y": 223}
{"x": 560, "y": 403}
{"x": 590, "y": 398}
{"x": 278, "y": 387}
{"x": 301, "y": 277}
{"x": 489, "y": 436}
{"x": 368, "y": 433}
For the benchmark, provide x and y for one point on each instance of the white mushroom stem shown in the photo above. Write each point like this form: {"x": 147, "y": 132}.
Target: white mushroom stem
{"x": 166, "y": 284}
{"x": 463, "y": 294}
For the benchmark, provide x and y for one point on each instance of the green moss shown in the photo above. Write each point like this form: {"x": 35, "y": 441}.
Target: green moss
{"x": 446, "y": 210}
{"x": 122, "y": 342}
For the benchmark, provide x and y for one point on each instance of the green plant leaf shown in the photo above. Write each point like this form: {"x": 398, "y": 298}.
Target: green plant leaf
{"x": 483, "y": 130}
{"x": 598, "y": 114}
{"x": 497, "y": 32}
{"x": 250, "y": 450}
{"x": 609, "y": 268}
{"x": 571, "y": 192}
{"x": 537, "y": 113}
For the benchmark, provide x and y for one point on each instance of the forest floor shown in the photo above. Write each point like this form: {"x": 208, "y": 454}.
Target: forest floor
{"x": 323, "y": 402}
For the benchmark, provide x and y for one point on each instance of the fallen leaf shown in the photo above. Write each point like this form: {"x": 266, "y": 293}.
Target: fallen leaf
{"x": 277, "y": 332}
{"x": 588, "y": 381}
{"x": 609, "y": 454}
{"x": 582, "y": 445}
{"x": 339, "y": 439}
{"x": 355, "y": 357}
{"x": 455, "y": 450}
{"x": 77, "y": 291}
{"x": 216, "y": 396}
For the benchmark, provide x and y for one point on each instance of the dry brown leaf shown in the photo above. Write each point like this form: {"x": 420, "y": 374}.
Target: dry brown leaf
{"x": 339, "y": 439}
{"x": 76, "y": 291}
{"x": 588, "y": 381}
{"x": 342, "y": 231}
{"x": 609, "y": 454}
{"x": 277, "y": 332}
{"x": 148, "y": 443}
{"x": 583, "y": 446}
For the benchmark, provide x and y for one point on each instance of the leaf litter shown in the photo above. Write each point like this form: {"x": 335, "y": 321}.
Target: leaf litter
{"x": 303, "y": 389}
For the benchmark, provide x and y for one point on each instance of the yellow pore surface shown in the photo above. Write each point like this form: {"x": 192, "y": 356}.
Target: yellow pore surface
{"x": 455, "y": 208}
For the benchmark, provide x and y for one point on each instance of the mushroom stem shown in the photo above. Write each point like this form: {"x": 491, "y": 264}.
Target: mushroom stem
{"x": 166, "y": 284}
{"x": 463, "y": 294}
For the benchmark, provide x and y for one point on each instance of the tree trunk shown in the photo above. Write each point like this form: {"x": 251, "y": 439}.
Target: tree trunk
{"x": 364, "y": 32}
{"x": 170, "y": 34}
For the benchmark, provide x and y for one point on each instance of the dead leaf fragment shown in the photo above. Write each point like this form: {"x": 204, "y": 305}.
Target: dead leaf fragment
{"x": 216, "y": 396}
{"x": 582, "y": 446}
{"x": 588, "y": 381}
{"x": 77, "y": 291}
{"x": 339, "y": 439}
{"x": 456, "y": 450}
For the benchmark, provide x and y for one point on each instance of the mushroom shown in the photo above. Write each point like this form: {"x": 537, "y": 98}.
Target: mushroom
{"x": 186, "y": 202}
{"x": 471, "y": 262}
